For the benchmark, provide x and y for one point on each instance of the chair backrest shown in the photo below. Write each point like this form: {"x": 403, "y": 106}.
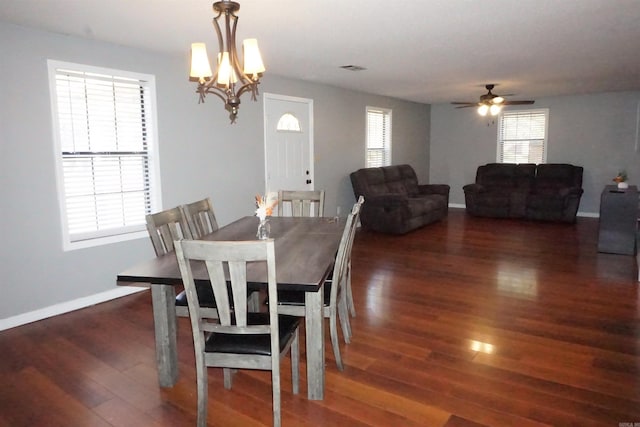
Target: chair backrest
{"x": 301, "y": 203}
{"x": 340, "y": 268}
{"x": 357, "y": 207}
{"x": 231, "y": 299}
{"x": 200, "y": 217}
{"x": 355, "y": 211}
{"x": 165, "y": 227}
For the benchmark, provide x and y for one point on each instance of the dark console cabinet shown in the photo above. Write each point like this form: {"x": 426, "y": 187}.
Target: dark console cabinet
{"x": 618, "y": 220}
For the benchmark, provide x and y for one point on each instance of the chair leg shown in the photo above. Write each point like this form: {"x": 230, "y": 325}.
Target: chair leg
{"x": 275, "y": 381}
{"x": 295, "y": 363}
{"x": 343, "y": 314}
{"x": 333, "y": 329}
{"x": 227, "y": 374}
{"x": 203, "y": 391}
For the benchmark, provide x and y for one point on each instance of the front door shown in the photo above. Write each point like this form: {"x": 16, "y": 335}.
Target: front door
{"x": 288, "y": 139}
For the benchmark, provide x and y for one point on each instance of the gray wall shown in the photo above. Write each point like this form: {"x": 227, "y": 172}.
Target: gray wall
{"x": 597, "y": 132}
{"x": 201, "y": 155}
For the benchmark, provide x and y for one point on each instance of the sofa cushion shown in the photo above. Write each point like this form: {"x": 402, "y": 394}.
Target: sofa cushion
{"x": 551, "y": 178}
{"x": 501, "y": 176}
{"x": 545, "y": 202}
{"x": 401, "y": 179}
{"x": 424, "y": 205}
{"x": 396, "y": 187}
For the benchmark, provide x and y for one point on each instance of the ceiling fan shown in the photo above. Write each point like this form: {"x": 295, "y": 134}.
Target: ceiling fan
{"x": 490, "y": 102}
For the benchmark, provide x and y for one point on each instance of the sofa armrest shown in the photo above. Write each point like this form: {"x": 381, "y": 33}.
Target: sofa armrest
{"x": 474, "y": 188}
{"x": 442, "y": 189}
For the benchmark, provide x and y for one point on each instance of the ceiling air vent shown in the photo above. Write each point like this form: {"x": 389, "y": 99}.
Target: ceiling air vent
{"x": 352, "y": 67}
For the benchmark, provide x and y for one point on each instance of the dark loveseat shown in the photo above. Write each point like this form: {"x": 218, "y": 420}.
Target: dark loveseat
{"x": 549, "y": 191}
{"x": 395, "y": 202}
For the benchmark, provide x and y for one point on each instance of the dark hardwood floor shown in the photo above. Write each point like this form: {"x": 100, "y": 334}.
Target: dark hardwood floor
{"x": 467, "y": 322}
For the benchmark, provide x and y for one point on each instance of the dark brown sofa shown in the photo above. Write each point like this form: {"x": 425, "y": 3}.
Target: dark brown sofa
{"x": 394, "y": 201}
{"x": 549, "y": 192}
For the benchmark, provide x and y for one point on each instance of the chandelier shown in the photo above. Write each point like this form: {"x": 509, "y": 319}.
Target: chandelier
{"x": 230, "y": 80}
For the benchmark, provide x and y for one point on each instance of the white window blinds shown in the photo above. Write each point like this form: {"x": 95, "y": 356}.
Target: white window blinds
{"x": 105, "y": 142}
{"x": 522, "y": 136}
{"x": 378, "y": 137}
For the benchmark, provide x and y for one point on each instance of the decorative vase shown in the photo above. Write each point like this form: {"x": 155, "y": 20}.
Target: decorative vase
{"x": 623, "y": 185}
{"x": 264, "y": 229}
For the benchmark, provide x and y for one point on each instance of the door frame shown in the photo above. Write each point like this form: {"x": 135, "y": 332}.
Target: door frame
{"x": 309, "y": 102}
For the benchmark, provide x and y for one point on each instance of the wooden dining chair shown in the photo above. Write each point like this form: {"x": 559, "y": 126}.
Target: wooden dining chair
{"x": 335, "y": 302}
{"x": 349, "y": 294}
{"x": 202, "y": 221}
{"x": 355, "y": 211}
{"x": 164, "y": 228}
{"x": 200, "y": 217}
{"x": 241, "y": 339}
{"x": 301, "y": 203}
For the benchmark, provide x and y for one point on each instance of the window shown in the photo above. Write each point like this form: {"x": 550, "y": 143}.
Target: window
{"x": 104, "y": 133}
{"x": 288, "y": 123}
{"x": 378, "y": 137}
{"x": 522, "y": 136}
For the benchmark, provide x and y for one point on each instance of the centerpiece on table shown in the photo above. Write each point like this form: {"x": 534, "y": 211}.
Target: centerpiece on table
{"x": 263, "y": 212}
{"x": 621, "y": 180}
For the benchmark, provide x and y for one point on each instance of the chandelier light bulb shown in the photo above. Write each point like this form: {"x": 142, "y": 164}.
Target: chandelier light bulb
{"x": 253, "y": 64}
{"x": 200, "y": 67}
{"x": 225, "y": 72}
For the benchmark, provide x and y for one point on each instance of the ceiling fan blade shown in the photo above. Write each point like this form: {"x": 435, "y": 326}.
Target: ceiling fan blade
{"x": 518, "y": 102}
{"x": 491, "y": 99}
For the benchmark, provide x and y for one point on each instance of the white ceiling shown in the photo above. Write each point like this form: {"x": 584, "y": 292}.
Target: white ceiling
{"x": 429, "y": 51}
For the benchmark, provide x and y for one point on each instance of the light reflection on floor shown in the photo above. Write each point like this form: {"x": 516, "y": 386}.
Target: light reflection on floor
{"x": 482, "y": 347}
{"x": 517, "y": 281}
{"x": 377, "y": 302}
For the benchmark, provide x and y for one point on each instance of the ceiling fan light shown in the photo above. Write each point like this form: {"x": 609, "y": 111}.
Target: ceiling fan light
{"x": 483, "y": 110}
{"x": 497, "y": 100}
{"x": 495, "y": 109}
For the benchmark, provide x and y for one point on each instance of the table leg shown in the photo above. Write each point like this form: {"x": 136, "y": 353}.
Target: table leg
{"x": 314, "y": 326}
{"x": 164, "y": 321}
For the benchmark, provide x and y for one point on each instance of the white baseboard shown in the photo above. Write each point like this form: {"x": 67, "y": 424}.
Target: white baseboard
{"x": 588, "y": 214}
{"x": 67, "y": 306}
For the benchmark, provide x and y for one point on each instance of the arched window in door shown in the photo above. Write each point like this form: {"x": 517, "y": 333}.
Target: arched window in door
{"x": 288, "y": 123}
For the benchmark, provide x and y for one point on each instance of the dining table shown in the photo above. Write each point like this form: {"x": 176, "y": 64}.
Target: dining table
{"x": 305, "y": 249}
